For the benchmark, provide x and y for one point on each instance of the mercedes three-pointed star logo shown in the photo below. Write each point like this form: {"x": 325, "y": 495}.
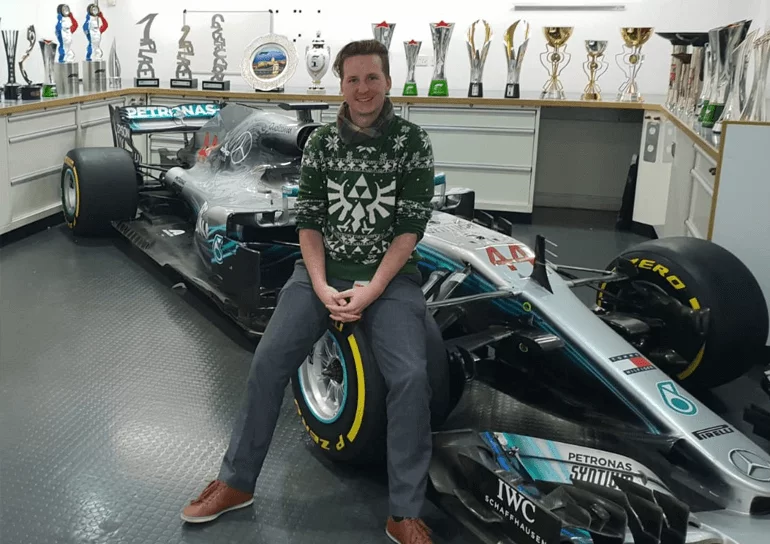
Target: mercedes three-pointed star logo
{"x": 750, "y": 464}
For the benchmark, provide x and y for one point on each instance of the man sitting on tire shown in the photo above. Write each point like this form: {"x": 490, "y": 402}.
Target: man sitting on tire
{"x": 364, "y": 202}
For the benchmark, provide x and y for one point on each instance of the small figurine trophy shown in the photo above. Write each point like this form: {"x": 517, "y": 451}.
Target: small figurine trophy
{"x": 317, "y": 56}
{"x": 94, "y": 65}
{"x": 66, "y": 69}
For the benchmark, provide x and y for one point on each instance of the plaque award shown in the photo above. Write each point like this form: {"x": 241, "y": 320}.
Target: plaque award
{"x": 269, "y": 62}
{"x": 184, "y": 79}
{"x": 441, "y": 33}
{"x": 11, "y": 91}
{"x": 145, "y": 71}
{"x": 29, "y": 91}
{"x": 412, "y": 50}
{"x": 736, "y": 97}
{"x": 94, "y": 65}
{"x": 594, "y": 68}
{"x": 219, "y": 67}
{"x": 383, "y": 33}
{"x": 66, "y": 69}
{"x": 48, "y": 49}
{"x": 723, "y": 42}
{"x": 633, "y": 38}
{"x": 478, "y": 57}
{"x": 317, "y": 57}
{"x": 755, "y": 108}
{"x": 556, "y": 44}
{"x": 515, "y": 56}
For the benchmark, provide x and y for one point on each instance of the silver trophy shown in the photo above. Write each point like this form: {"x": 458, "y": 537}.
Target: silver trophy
{"x": 184, "y": 79}
{"x": 514, "y": 56}
{"x": 48, "y": 49}
{"x": 478, "y": 57}
{"x": 94, "y": 67}
{"x": 114, "y": 78}
{"x": 723, "y": 42}
{"x": 218, "y": 69}
{"x": 736, "y": 97}
{"x": 442, "y": 35}
{"x": 755, "y": 108}
{"x": 317, "y": 57}
{"x": 145, "y": 71}
{"x": 11, "y": 91}
{"x": 594, "y": 67}
{"x": 383, "y": 33}
{"x": 412, "y": 50}
{"x": 66, "y": 70}
{"x": 29, "y": 91}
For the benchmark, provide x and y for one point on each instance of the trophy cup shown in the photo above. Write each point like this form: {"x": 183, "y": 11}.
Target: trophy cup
{"x": 66, "y": 69}
{"x": 556, "y": 39}
{"x": 736, "y": 97}
{"x": 478, "y": 56}
{"x": 514, "y": 57}
{"x": 317, "y": 56}
{"x": 755, "y": 107}
{"x": 48, "y": 49}
{"x": 10, "y": 40}
{"x": 217, "y": 82}
{"x": 442, "y": 34}
{"x": 94, "y": 65}
{"x": 114, "y": 79}
{"x": 383, "y": 33}
{"x": 723, "y": 42}
{"x": 634, "y": 38}
{"x": 679, "y": 48}
{"x": 594, "y": 68}
{"x": 145, "y": 71}
{"x": 29, "y": 91}
{"x": 412, "y": 50}
{"x": 184, "y": 79}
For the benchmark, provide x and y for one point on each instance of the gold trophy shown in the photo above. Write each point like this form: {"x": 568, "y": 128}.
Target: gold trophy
{"x": 556, "y": 38}
{"x": 478, "y": 56}
{"x": 515, "y": 56}
{"x": 594, "y": 68}
{"x": 634, "y": 38}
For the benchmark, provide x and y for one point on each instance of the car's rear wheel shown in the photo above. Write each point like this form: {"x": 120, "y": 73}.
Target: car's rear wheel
{"x": 698, "y": 274}
{"x": 98, "y": 186}
{"x": 340, "y": 394}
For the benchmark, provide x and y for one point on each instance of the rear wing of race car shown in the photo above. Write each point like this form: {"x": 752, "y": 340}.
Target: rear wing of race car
{"x": 129, "y": 120}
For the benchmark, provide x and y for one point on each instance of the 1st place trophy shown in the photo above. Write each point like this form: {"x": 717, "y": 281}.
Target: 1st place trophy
{"x": 633, "y": 38}
{"x": 442, "y": 34}
{"x": 594, "y": 68}
{"x": 412, "y": 50}
{"x": 29, "y": 91}
{"x": 317, "y": 57}
{"x": 94, "y": 65}
{"x": 556, "y": 44}
{"x": 515, "y": 56}
{"x": 10, "y": 40}
{"x": 145, "y": 71}
{"x": 478, "y": 56}
{"x": 66, "y": 71}
{"x": 218, "y": 69}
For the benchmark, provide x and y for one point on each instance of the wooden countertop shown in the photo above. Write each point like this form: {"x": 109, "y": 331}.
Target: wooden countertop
{"x": 456, "y": 98}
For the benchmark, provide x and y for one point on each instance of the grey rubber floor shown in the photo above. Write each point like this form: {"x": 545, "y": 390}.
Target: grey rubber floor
{"x": 117, "y": 395}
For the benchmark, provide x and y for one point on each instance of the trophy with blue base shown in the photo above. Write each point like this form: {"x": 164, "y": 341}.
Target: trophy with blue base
{"x": 66, "y": 71}
{"x": 94, "y": 65}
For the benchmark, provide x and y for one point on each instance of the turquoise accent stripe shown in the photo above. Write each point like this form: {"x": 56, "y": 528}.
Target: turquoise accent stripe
{"x": 514, "y": 307}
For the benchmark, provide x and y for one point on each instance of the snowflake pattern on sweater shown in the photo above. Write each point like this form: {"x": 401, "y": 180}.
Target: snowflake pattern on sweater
{"x": 362, "y": 196}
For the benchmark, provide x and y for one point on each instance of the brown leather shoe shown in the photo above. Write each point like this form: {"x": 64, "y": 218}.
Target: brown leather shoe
{"x": 408, "y": 531}
{"x": 214, "y": 501}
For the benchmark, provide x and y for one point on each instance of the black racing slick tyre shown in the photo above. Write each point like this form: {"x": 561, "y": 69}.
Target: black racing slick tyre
{"x": 701, "y": 274}
{"x": 98, "y": 186}
{"x": 339, "y": 394}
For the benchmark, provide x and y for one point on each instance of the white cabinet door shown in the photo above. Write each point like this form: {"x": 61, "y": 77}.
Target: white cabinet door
{"x": 654, "y": 173}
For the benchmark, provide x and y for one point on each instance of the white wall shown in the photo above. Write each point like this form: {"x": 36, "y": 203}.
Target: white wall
{"x": 412, "y": 20}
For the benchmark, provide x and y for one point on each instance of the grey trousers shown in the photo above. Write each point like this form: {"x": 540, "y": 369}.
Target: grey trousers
{"x": 394, "y": 324}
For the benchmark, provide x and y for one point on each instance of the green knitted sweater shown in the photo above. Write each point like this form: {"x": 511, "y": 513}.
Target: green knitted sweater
{"x": 360, "y": 197}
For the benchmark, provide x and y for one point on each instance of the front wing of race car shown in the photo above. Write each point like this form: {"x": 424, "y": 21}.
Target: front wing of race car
{"x": 518, "y": 489}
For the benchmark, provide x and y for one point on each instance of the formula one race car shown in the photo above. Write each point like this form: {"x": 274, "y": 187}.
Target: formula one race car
{"x": 608, "y": 442}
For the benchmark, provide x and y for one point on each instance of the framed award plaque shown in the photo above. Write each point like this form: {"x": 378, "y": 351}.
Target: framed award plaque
{"x": 269, "y": 62}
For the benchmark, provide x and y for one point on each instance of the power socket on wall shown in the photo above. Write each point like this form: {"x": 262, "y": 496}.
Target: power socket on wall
{"x": 424, "y": 60}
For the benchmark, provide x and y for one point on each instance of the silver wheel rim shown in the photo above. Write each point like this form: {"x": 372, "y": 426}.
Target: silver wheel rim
{"x": 70, "y": 193}
{"x": 323, "y": 379}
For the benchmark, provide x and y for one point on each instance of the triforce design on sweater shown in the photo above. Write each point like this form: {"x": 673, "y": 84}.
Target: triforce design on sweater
{"x": 361, "y": 197}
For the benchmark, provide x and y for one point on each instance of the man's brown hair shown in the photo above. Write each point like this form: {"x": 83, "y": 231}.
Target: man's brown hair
{"x": 361, "y": 47}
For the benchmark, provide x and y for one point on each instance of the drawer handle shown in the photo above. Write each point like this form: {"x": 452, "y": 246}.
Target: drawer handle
{"x": 713, "y": 171}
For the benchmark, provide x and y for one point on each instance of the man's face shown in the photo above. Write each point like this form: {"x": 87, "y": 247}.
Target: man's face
{"x": 364, "y": 86}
